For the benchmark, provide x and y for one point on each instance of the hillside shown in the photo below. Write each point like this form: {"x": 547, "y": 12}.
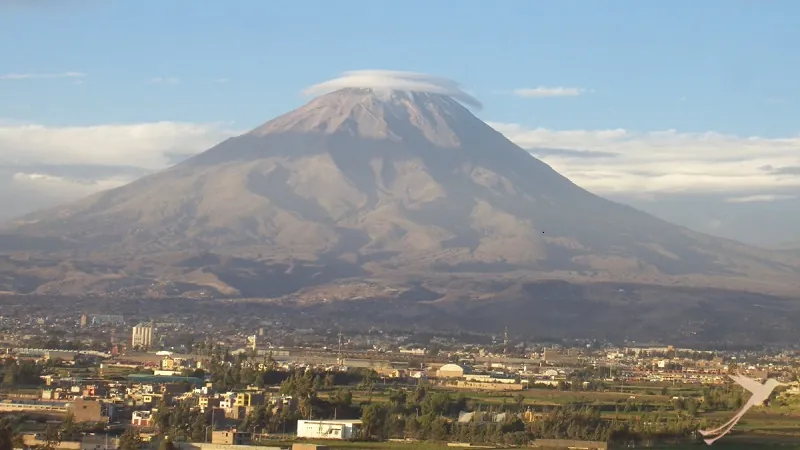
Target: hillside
{"x": 362, "y": 184}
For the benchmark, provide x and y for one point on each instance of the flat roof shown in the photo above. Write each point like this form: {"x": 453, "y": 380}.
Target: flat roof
{"x": 143, "y": 378}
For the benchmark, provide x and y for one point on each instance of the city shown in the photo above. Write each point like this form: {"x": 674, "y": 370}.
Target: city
{"x": 84, "y": 378}
{"x": 416, "y": 225}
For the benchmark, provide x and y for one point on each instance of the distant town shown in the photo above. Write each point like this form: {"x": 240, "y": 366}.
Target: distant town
{"x": 73, "y": 379}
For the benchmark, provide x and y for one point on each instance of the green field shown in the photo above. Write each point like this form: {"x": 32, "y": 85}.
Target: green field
{"x": 762, "y": 428}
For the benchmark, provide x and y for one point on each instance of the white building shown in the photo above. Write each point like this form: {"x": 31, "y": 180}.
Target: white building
{"x": 142, "y": 336}
{"x": 487, "y": 378}
{"x": 450, "y": 371}
{"x": 328, "y": 429}
{"x": 414, "y": 351}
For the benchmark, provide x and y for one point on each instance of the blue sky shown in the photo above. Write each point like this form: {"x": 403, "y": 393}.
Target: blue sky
{"x": 696, "y": 102}
{"x": 729, "y": 66}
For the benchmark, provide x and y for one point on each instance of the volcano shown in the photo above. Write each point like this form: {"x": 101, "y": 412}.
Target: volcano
{"x": 363, "y": 184}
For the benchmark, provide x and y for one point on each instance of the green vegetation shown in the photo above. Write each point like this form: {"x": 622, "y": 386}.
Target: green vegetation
{"x": 583, "y": 407}
{"x": 130, "y": 440}
{"x": 16, "y": 373}
{"x": 6, "y": 434}
{"x": 182, "y": 423}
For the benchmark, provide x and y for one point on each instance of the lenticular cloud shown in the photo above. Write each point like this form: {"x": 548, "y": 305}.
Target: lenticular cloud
{"x": 396, "y": 80}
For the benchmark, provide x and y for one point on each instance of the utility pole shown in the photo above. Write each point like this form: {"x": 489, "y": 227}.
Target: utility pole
{"x": 340, "y": 358}
{"x": 505, "y": 341}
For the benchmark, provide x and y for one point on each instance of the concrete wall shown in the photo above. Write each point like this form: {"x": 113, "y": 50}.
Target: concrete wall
{"x": 327, "y": 429}
{"x": 204, "y": 446}
{"x": 30, "y": 441}
{"x": 568, "y": 443}
{"x": 32, "y": 407}
{"x": 300, "y": 446}
{"x": 487, "y": 386}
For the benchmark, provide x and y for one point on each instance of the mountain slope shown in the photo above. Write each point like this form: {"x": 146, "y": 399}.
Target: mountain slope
{"x": 361, "y": 182}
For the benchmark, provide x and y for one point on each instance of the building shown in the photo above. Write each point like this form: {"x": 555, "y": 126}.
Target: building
{"x": 450, "y": 371}
{"x": 207, "y": 402}
{"x": 489, "y": 378}
{"x": 142, "y": 336}
{"x": 105, "y": 319}
{"x": 414, "y": 351}
{"x": 91, "y": 410}
{"x": 142, "y": 419}
{"x": 249, "y": 399}
{"x": 169, "y": 363}
{"x": 328, "y": 429}
{"x": 230, "y": 437}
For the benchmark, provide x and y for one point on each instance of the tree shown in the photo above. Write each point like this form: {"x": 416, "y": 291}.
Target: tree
{"x": 519, "y": 399}
{"x": 398, "y": 399}
{"x": 9, "y": 377}
{"x": 198, "y": 430}
{"x": 329, "y": 381}
{"x": 6, "y": 435}
{"x": 419, "y": 394}
{"x": 130, "y": 440}
{"x": 52, "y": 438}
{"x": 161, "y": 418}
{"x": 341, "y": 398}
{"x": 691, "y": 407}
{"x": 439, "y": 429}
{"x": 69, "y": 430}
{"x": 373, "y": 419}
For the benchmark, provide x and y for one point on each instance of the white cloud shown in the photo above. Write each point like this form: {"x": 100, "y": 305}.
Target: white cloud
{"x": 668, "y": 161}
{"x": 41, "y": 76}
{"x": 62, "y": 188}
{"x": 43, "y": 166}
{"x": 542, "y": 91}
{"x": 760, "y": 198}
{"x": 395, "y": 80}
{"x": 147, "y": 146}
{"x": 164, "y": 80}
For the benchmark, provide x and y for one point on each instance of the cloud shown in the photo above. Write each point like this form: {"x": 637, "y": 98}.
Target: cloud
{"x": 760, "y": 198}
{"x": 542, "y": 92}
{"x": 668, "y": 161}
{"x": 24, "y": 192}
{"x": 63, "y": 186}
{"x": 145, "y": 146}
{"x": 45, "y": 3}
{"x": 544, "y": 152}
{"x": 788, "y": 170}
{"x": 163, "y": 80}
{"x": 42, "y": 76}
{"x": 42, "y": 166}
{"x": 396, "y": 80}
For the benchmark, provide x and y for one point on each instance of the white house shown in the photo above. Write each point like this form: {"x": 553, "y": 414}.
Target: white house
{"x": 328, "y": 429}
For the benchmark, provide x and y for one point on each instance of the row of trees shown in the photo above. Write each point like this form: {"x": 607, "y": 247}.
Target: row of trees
{"x": 15, "y": 373}
{"x": 54, "y": 342}
{"x": 232, "y": 372}
{"x": 562, "y": 422}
